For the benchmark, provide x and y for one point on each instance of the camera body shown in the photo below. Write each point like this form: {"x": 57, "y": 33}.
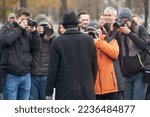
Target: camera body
{"x": 118, "y": 24}
{"x": 32, "y": 23}
{"x": 94, "y": 34}
{"x": 48, "y": 31}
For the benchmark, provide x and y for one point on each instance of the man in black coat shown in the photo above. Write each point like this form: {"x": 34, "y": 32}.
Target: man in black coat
{"x": 18, "y": 43}
{"x": 72, "y": 64}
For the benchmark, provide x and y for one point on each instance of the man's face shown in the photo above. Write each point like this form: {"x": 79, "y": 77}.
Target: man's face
{"x": 84, "y": 19}
{"x": 127, "y": 22}
{"x": 11, "y": 19}
{"x": 110, "y": 17}
{"x": 22, "y": 19}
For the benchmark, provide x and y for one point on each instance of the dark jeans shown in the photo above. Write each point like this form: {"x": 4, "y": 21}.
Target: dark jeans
{"x": 38, "y": 84}
{"x": 135, "y": 87}
{"x": 110, "y": 96}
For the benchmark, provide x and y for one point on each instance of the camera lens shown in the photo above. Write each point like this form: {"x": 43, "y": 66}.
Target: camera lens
{"x": 32, "y": 23}
{"x": 118, "y": 24}
{"x": 48, "y": 31}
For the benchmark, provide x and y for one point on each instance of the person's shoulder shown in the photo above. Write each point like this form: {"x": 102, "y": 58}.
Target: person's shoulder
{"x": 57, "y": 39}
{"x": 86, "y": 36}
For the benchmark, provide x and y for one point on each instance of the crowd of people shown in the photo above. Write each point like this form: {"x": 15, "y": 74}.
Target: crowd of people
{"x": 104, "y": 59}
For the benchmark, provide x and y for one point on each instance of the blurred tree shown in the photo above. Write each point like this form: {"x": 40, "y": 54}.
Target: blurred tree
{"x": 23, "y": 3}
{"x": 44, "y": 6}
{"x": 128, "y": 4}
{"x": 63, "y": 8}
{"x": 4, "y": 11}
{"x": 146, "y": 8}
{"x": 7, "y": 6}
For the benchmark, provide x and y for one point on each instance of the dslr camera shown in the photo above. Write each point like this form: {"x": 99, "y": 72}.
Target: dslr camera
{"x": 32, "y": 23}
{"x": 47, "y": 31}
{"x": 118, "y": 24}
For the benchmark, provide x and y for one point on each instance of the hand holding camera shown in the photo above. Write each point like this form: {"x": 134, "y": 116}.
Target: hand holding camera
{"x": 122, "y": 26}
{"x": 23, "y": 23}
{"x": 125, "y": 30}
{"x": 32, "y": 25}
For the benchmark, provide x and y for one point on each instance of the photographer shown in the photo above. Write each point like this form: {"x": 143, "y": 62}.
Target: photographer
{"x": 39, "y": 67}
{"x": 17, "y": 45}
{"x": 133, "y": 41}
{"x": 108, "y": 83}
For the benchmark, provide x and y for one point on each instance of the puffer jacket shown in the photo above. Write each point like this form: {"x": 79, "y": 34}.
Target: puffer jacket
{"x": 40, "y": 60}
{"x": 109, "y": 78}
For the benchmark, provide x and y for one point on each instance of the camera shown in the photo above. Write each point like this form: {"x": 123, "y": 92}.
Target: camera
{"x": 93, "y": 34}
{"x": 118, "y": 24}
{"x": 48, "y": 31}
{"x": 32, "y": 23}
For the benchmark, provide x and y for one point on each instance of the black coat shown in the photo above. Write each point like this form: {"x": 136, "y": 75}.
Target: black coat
{"x": 72, "y": 67}
{"x": 18, "y": 45}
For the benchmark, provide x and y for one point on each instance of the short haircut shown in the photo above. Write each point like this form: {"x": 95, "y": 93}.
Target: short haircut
{"x": 23, "y": 11}
{"x": 82, "y": 13}
{"x": 111, "y": 9}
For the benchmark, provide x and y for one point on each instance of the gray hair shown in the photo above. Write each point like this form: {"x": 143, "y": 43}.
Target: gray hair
{"x": 111, "y": 9}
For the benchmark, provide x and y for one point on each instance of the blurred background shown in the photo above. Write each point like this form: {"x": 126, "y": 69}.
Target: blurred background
{"x": 55, "y": 8}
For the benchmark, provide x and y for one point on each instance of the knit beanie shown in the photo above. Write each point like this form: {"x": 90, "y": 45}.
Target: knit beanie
{"x": 125, "y": 13}
{"x": 42, "y": 19}
{"x": 94, "y": 25}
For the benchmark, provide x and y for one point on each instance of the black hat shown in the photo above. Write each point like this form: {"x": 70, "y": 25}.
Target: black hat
{"x": 125, "y": 13}
{"x": 70, "y": 18}
{"x": 94, "y": 25}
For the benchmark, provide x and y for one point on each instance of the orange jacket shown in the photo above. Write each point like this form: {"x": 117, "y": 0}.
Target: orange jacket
{"x": 106, "y": 81}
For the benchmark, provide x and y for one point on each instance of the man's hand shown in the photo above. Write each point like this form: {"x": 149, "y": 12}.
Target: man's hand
{"x": 40, "y": 29}
{"x": 23, "y": 24}
{"x": 125, "y": 30}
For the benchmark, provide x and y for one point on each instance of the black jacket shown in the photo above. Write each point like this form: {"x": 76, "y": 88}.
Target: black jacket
{"x": 18, "y": 46}
{"x": 130, "y": 45}
{"x": 40, "y": 60}
{"x": 72, "y": 67}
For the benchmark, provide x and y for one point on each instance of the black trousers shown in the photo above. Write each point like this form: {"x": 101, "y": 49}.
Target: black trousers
{"x": 111, "y": 96}
{"x": 148, "y": 92}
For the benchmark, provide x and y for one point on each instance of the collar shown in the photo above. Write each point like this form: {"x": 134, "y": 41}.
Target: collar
{"x": 72, "y": 31}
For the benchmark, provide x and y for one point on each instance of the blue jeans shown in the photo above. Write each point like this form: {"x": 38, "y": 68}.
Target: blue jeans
{"x": 135, "y": 87}
{"x": 17, "y": 87}
{"x": 38, "y": 84}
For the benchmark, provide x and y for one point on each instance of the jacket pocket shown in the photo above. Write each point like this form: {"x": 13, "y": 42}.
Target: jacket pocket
{"x": 113, "y": 79}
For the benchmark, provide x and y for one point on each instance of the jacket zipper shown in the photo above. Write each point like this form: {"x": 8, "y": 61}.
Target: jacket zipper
{"x": 99, "y": 73}
{"x": 100, "y": 81}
